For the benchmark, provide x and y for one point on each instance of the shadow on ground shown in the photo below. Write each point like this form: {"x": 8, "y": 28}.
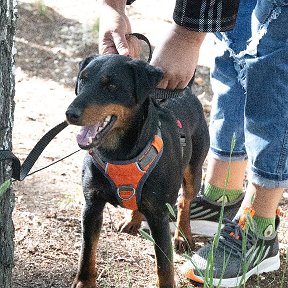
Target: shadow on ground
{"x": 50, "y": 46}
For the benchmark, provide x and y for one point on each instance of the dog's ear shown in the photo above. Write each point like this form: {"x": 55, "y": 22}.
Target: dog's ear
{"x": 82, "y": 65}
{"x": 146, "y": 78}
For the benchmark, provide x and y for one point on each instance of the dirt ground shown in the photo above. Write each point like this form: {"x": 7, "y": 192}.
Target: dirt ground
{"x": 50, "y": 42}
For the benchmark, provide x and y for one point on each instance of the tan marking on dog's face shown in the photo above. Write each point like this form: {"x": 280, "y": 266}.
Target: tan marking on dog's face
{"x": 96, "y": 113}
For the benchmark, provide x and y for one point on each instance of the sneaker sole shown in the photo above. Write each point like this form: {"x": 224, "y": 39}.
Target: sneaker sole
{"x": 268, "y": 265}
{"x": 198, "y": 227}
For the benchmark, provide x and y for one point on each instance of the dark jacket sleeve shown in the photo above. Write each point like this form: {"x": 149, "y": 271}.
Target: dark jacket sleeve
{"x": 206, "y": 15}
{"x": 130, "y": 2}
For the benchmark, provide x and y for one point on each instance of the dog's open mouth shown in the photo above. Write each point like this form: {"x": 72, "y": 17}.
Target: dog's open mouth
{"x": 89, "y": 136}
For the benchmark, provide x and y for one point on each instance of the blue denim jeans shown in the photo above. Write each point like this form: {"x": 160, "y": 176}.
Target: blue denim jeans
{"x": 250, "y": 84}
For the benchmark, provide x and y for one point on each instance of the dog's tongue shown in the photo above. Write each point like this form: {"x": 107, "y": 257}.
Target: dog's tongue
{"x": 85, "y": 135}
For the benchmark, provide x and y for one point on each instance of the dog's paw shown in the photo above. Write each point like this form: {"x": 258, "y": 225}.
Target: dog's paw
{"x": 129, "y": 227}
{"x": 182, "y": 245}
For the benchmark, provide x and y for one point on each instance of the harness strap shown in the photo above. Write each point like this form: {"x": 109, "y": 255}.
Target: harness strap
{"x": 128, "y": 177}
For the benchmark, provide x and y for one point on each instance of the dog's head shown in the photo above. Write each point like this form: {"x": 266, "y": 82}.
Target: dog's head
{"x": 108, "y": 88}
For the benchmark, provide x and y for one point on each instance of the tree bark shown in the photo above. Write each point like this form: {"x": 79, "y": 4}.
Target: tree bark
{"x": 7, "y": 85}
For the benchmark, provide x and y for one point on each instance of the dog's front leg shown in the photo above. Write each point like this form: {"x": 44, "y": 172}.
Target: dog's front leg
{"x": 92, "y": 218}
{"x": 160, "y": 231}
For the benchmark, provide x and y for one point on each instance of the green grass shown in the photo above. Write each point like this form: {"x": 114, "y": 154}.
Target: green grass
{"x": 4, "y": 187}
{"x": 208, "y": 277}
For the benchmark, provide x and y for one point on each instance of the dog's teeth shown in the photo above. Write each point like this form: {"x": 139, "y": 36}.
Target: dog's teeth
{"x": 100, "y": 129}
{"x": 108, "y": 118}
{"x": 90, "y": 140}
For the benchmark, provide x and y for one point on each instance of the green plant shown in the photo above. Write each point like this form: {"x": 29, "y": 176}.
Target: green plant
{"x": 4, "y": 187}
{"x": 208, "y": 278}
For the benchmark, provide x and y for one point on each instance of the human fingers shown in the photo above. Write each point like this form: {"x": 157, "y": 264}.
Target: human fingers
{"x": 172, "y": 84}
{"x": 177, "y": 56}
{"x": 120, "y": 43}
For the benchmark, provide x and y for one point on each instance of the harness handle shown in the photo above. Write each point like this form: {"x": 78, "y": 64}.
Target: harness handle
{"x": 158, "y": 93}
{"x": 19, "y": 172}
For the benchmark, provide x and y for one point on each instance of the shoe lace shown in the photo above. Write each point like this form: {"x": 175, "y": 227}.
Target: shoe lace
{"x": 237, "y": 235}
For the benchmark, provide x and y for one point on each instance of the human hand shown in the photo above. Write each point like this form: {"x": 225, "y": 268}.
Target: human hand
{"x": 114, "y": 25}
{"x": 177, "y": 56}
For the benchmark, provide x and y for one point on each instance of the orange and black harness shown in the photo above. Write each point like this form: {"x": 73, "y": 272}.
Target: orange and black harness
{"x": 128, "y": 177}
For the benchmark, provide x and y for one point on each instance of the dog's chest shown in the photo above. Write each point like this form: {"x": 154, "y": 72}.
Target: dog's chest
{"x": 127, "y": 178}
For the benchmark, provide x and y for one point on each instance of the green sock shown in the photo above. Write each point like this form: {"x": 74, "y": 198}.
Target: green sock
{"x": 265, "y": 226}
{"x": 217, "y": 194}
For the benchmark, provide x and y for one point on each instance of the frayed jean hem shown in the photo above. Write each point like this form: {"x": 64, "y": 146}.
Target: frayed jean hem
{"x": 267, "y": 180}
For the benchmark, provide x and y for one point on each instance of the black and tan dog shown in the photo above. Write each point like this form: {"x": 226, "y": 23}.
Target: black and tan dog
{"x": 135, "y": 157}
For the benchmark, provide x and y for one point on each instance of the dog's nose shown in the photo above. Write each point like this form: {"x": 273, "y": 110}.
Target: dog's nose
{"x": 73, "y": 115}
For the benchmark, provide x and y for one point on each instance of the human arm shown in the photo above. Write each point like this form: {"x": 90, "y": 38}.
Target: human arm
{"x": 178, "y": 54}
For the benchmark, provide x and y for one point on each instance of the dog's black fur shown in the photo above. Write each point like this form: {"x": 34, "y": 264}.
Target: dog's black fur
{"x": 117, "y": 85}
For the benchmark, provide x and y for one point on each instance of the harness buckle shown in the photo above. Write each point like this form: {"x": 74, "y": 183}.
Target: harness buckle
{"x": 126, "y": 192}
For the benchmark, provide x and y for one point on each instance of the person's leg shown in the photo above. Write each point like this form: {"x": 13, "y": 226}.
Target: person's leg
{"x": 225, "y": 176}
{"x": 249, "y": 245}
{"x": 224, "y": 180}
{"x": 264, "y": 201}
{"x": 223, "y": 186}
{"x": 227, "y": 159}
{"x": 266, "y": 113}
{"x": 227, "y": 156}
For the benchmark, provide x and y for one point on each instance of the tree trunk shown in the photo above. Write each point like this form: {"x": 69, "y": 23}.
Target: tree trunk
{"x": 7, "y": 84}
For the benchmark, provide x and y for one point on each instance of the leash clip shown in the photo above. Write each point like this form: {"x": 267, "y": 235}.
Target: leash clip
{"x": 126, "y": 192}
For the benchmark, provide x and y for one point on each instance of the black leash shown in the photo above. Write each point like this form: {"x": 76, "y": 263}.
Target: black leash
{"x": 20, "y": 172}
{"x": 145, "y": 39}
